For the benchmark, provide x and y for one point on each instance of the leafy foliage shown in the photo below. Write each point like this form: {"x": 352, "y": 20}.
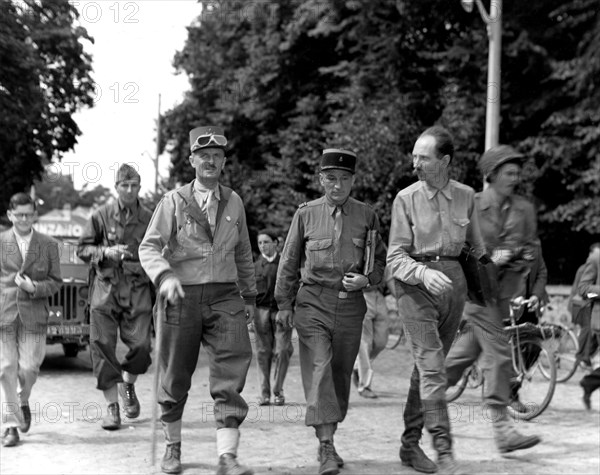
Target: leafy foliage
{"x": 44, "y": 79}
{"x": 290, "y": 77}
{"x": 55, "y": 191}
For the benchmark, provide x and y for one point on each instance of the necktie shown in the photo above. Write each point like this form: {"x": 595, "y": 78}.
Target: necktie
{"x": 127, "y": 214}
{"x": 211, "y": 209}
{"x": 337, "y": 224}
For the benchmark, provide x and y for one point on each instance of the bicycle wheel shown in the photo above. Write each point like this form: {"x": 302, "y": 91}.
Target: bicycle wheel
{"x": 563, "y": 344}
{"x": 454, "y": 392}
{"x": 394, "y": 340}
{"x": 534, "y": 390}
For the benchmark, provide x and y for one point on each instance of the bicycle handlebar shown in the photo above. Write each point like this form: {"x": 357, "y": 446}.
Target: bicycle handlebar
{"x": 519, "y": 302}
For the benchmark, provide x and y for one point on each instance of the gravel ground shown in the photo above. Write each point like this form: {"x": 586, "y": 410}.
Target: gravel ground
{"x": 66, "y": 437}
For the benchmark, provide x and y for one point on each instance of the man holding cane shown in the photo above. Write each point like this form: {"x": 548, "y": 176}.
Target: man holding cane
{"x": 197, "y": 252}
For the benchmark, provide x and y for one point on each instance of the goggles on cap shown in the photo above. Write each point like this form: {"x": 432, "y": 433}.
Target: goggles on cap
{"x": 205, "y": 140}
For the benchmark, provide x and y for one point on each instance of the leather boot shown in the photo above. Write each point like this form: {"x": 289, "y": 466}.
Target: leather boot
{"x": 112, "y": 419}
{"x": 435, "y": 415}
{"x": 131, "y": 404}
{"x": 228, "y": 465}
{"x": 171, "y": 462}
{"x": 507, "y": 438}
{"x": 339, "y": 460}
{"x": 411, "y": 453}
{"x": 329, "y": 465}
{"x": 413, "y": 456}
{"x": 10, "y": 437}
{"x": 587, "y": 395}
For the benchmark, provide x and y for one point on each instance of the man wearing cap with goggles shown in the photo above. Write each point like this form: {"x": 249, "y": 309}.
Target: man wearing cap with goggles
{"x": 431, "y": 221}
{"x": 326, "y": 243}
{"x": 120, "y": 295}
{"x": 509, "y": 228}
{"x": 198, "y": 254}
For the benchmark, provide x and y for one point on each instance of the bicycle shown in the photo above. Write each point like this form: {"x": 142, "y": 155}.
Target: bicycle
{"x": 528, "y": 357}
{"x": 394, "y": 339}
{"x": 562, "y": 342}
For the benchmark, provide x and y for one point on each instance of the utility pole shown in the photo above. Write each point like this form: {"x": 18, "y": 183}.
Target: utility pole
{"x": 493, "y": 20}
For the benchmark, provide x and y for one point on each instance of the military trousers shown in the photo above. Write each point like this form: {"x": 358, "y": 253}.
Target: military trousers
{"x": 212, "y": 315}
{"x": 591, "y": 381}
{"x": 484, "y": 335}
{"x": 430, "y": 325}
{"x": 122, "y": 309}
{"x": 329, "y": 326}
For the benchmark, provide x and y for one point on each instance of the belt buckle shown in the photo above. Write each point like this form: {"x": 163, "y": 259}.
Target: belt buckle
{"x": 436, "y": 259}
{"x": 342, "y": 295}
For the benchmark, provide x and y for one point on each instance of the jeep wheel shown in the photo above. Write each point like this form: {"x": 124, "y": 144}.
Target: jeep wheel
{"x": 71, "y": 349}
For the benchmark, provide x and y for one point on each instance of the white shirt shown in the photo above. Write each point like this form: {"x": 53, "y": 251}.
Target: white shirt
{"x": 23, "y": 242}
{"x": 269, "y": 259}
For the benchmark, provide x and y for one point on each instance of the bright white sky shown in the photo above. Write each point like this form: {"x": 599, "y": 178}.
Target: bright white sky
{"x": 132, "y": 59}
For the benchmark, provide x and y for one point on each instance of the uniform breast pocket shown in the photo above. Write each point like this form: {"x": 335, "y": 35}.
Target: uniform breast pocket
{"x": 320, "y": 253}
{"x": 458, "y": 232}
{"x": 359, "y": 252}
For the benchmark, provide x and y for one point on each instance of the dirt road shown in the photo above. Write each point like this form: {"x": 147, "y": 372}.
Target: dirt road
{"x": 66, "y": 438}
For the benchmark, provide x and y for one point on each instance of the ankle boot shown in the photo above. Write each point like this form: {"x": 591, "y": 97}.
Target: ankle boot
{"x": 413, "y": 456}
{"x": 171, "y": 462}
{"x": 507, "y": 438}
{"x": 411, "y": 453}
{"x": 329, "y": 465}
{"x": 112, "y": 419}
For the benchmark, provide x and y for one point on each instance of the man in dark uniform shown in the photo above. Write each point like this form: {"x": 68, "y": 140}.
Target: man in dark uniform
{"x": 508, "y": 227}
{"x": 589, "y": 289}
{"x": 326, "y": 242}
{"x": 431, "y": 221}
{"x": 198, "y": 253}
{"x": 120, "y": 295}
{"x": 581, "y": 314}
{"x": 273, "y": 340}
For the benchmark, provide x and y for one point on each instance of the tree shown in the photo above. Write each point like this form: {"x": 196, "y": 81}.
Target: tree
{"x": 44, "y": 79}
{"x": 55, "y": 191}
{"x": 291, "y": 77}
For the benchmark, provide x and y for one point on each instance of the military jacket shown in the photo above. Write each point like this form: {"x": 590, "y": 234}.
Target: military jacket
{"x": 311, "y": 247}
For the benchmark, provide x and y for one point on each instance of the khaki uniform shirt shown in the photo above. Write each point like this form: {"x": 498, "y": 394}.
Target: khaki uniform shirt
{"x": 107, "y": 227}
{"x": 180, "y": 241}
{"x": 431, "y": 222}
{"x": 511, "y": 225}
{"x": 311, "y": 247}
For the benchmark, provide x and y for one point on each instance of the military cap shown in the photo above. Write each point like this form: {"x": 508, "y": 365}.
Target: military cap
{"x": 333, "y": 158}
{"x": 497, "y": 156}
{"x": 127, "y": 172}
{"x": 206, "y": 137}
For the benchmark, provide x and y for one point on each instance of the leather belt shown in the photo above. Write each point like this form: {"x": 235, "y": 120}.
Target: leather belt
{"x": 340, "y": 294}
{"x": 434, "y": 258}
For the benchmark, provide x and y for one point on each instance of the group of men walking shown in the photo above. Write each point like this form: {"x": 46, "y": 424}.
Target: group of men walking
{"x": 194, "y": 249}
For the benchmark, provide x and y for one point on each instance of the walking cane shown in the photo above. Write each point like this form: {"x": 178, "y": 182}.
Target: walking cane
{"x": 158, "y": 323}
